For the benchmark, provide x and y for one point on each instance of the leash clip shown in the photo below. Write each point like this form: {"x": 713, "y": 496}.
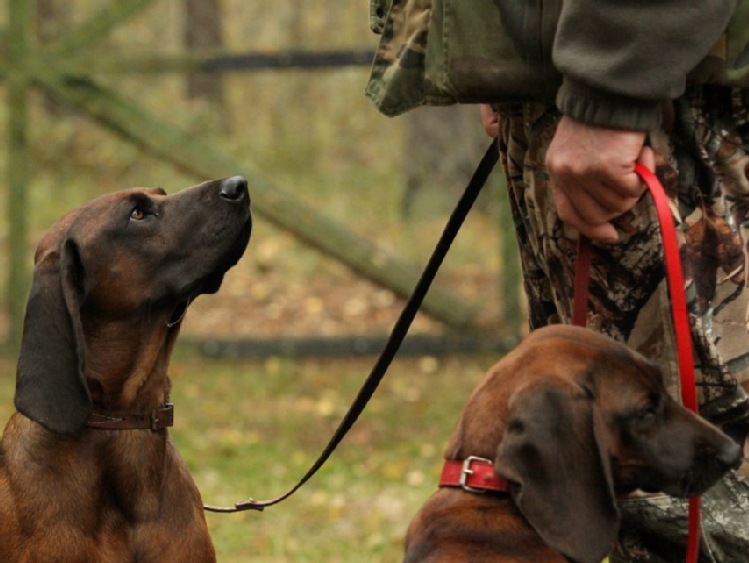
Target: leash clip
{"x": 467, "y": 471}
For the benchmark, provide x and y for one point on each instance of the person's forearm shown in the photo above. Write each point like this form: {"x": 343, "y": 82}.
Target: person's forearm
{"x": 621, "y": 58}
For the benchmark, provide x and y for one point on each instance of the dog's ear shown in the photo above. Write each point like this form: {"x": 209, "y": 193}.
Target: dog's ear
{"x": 558, "y": 479}
{"x": 50, "y": 385}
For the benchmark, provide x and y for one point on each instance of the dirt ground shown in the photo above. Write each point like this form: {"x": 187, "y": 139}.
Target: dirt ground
{"x": 254, "y": 304}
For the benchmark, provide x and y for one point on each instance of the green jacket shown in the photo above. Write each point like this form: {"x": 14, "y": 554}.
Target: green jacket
{"x": 608, "y": 62}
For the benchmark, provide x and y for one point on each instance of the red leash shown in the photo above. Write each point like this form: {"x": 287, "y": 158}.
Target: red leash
{"x": 675, "y": 278}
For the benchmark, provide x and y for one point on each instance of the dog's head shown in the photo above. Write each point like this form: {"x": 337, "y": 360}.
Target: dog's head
{"x": 598, "y": 423}
{"x": 129, "y": 259}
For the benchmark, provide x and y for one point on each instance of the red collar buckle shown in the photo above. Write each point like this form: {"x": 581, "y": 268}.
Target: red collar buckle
{"x": 473, "y": 474}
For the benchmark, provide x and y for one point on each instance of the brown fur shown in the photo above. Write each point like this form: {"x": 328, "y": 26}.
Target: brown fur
{"x": 571, "y": 419}
{"x": 111, "y": 282}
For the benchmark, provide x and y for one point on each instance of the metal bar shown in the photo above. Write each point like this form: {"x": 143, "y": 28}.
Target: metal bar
{"x": 145, "y": 63}
{"x": 414, "y": 345}
{"x": 19, "y": 32}
{"x": 216, "y": 62}
{"x": 285, "y": 60}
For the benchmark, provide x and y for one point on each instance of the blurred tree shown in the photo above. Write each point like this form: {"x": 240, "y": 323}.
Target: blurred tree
{"x": 52, "y": 19}
{"x": 203, "y": 32}
{"x": 443, "y": 145}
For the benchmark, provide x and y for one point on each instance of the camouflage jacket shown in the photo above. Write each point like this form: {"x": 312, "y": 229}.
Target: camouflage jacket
{"x": 608, "y": 66}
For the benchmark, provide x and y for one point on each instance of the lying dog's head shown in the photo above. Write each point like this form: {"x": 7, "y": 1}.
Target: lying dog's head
{"x": 135, "y": 259}
{"x": 578, "y": 419}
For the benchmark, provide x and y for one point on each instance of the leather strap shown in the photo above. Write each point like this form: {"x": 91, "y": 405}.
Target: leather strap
{"x": 679, "y": 312}
{"x": 582, "y": 282}
{"x": 157, "y": 419}
{"x": 473, "y": 474}
{"x": 399, "y": 332}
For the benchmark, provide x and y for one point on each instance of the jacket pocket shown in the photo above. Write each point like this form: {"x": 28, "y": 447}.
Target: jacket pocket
{"x": 441, "y": 52}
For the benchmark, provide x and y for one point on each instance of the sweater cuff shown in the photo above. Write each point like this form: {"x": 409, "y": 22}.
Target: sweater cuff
{"x": 582, "y": 103}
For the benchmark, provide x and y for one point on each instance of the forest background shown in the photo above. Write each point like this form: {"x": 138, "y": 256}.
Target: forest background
{"x": 267, "y": 367}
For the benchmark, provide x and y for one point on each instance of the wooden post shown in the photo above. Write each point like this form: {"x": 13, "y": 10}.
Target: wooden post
{"x": 96, "y": 27}
{"x": 19, "y": 30}
{"x": 53, "y": 16}
{"x": 203, "y": 32}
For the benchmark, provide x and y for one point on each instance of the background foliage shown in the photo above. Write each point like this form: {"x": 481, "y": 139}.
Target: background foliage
{"x": 252, "y": 427}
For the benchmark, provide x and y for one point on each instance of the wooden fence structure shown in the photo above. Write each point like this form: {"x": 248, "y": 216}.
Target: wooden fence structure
{"x": 68, "y": 69}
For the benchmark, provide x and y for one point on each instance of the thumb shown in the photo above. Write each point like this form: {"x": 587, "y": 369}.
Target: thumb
{"x": 647, "y": 158}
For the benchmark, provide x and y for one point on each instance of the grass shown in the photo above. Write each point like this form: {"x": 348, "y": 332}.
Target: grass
{"x": 251, "y": 429}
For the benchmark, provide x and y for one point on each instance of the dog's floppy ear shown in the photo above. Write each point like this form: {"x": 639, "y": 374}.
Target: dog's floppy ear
{"x": 558, "y": 478}
{"x": 50, "y": 385}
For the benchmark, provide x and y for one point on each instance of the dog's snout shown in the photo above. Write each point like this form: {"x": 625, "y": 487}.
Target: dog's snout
{"x": 234, "y": 188}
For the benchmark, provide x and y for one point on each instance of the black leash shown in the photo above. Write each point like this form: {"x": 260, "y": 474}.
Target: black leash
{"x": 399, "y": 332}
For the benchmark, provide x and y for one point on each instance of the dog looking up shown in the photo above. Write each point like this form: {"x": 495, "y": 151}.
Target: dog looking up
{"x": 87, "y": 469}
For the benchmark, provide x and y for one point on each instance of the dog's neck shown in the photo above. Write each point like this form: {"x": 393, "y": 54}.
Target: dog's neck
{"x": 126, "y": 364}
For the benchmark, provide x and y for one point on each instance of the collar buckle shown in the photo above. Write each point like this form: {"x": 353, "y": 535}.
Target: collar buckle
{"x": 467, "y": 471}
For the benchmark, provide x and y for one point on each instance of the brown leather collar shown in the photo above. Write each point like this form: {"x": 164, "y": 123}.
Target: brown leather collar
{"x": 473, "y": 474}
{"x": 158, "y": 419}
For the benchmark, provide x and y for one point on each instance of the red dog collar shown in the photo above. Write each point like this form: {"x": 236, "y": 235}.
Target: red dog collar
{"x": 473, "y": 474}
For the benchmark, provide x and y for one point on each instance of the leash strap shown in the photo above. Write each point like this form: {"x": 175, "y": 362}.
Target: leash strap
{"x": 157, "y": 419}
{"x": 397, "y": 335}
{"x": 680, "y": 316}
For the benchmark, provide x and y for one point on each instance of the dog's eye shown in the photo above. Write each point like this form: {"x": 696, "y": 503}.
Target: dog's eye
{"x": 647, "y": 416}
{"x": 137, "y": 214}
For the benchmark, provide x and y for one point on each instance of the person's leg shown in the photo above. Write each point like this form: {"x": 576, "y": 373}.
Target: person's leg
{"x": 513, "y": 147}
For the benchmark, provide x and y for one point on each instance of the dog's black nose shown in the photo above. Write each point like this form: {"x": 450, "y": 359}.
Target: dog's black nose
{"x": 730, "y": 455}
{"x": 234, "y": 188}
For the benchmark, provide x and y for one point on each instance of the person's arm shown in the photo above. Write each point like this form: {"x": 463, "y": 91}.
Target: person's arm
{"x": 621, "y": 60}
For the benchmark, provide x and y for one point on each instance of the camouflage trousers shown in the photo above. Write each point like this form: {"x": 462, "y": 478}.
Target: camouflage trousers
{"x": 703, "y": 162}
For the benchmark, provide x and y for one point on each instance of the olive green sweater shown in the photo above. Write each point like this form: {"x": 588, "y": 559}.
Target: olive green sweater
{"x": 621, "y": 59}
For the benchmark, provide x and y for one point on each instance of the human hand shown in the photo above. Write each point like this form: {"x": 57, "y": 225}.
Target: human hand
{"x": 592, "y": 175}
{"x": 490, "y": 120}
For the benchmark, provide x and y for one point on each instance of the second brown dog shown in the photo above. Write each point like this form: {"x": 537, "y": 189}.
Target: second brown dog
{"x": 556, "y": 430}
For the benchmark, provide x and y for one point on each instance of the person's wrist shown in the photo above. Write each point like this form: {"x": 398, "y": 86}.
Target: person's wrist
{"x": 596, "y": 107}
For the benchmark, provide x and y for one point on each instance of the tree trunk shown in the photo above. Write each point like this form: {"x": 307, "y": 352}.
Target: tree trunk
{"x": 53, "y": 17}
{"x": 203, "y": 32}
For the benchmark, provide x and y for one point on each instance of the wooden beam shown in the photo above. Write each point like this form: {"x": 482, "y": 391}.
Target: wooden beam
{"x": 203, "y": 160}
{"x": 96, "y": 27}
{"x": 218, "y": 61}
{"x": 19, "y": 34}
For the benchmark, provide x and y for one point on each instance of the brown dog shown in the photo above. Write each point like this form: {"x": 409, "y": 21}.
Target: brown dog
{"x": 565, "y": 422}
{"x": 87, "y": 469}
